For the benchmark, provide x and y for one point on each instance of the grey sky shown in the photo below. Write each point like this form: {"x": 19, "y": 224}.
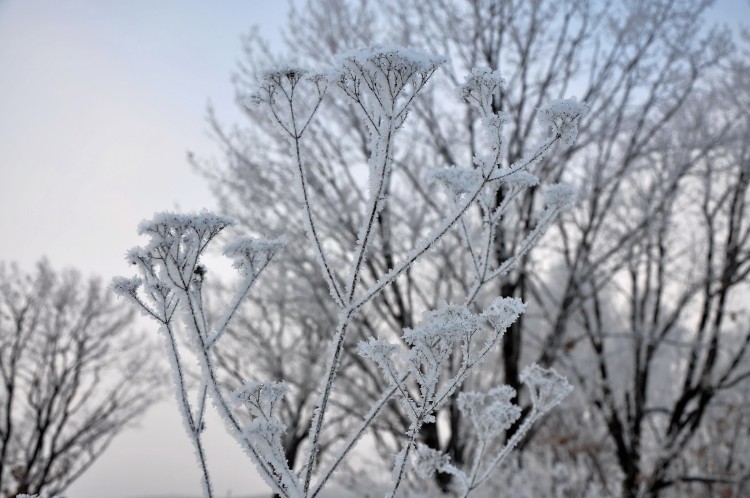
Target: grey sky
{"x": 99, "y": 102}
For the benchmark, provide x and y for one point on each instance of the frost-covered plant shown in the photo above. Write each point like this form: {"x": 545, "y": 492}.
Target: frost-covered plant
{"x": 382, "y": 84}
{"x": 36, "y": 496}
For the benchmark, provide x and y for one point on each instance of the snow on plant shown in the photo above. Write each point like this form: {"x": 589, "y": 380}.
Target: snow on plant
{"x": 382, "y": 83}
{"x": 36, "y": 496}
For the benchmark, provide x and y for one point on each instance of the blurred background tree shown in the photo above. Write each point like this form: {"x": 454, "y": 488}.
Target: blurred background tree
{"x": 73, "y": 375}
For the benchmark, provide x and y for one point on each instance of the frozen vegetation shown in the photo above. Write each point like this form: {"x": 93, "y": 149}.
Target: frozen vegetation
{"x": 382, "y": 84}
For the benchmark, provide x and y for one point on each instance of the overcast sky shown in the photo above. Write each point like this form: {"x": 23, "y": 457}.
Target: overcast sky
{"x": 99, "y": 102}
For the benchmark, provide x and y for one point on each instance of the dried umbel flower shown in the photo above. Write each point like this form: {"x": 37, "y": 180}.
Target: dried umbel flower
{"x": 547, "y": 387}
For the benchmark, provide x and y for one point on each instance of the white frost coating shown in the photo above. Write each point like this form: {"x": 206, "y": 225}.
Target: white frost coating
{"x": 266, "y": 430}
{"x": 560, "y": 196}
{"x": 562, "y": 117}
{"x": 522, "y": 179}
{"x": 402, "y": 64}
{"x": 260, "y": 397}
{"x": 503, "y": 311}
{"x": 167, "y": 224}
{"x": 490, "y": 413}
{"x": 38, "y": 496}
{"x": 277, "y": 97}
{"x": 249, "y": 254}
{"x": 547, "y": 387}
{"x": 429, "y": 461}
{"x": 480, "y": 86}
{"x": 449, "y": 323}
{"x": 458, "y": 179}
{"x": 377, "y": 350}
{"x": 123, "y": 286}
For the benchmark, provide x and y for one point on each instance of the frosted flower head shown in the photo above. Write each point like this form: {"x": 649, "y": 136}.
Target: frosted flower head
{"x": 377, "y": 350}
{"x": 275, "y": 79}
{"x": 177, "y": 224}
{"x": 280, "y": 83}
{"x": 193, "y": 231}
{"x": 491, "y": 413}
{"x": 261, "y": 430}
{"x": 449, "y": 323}
{"x": 562, "y": 117}
{"x": 559, "y": 195}
{"x": 403, "y": 63}
{"x": 289, "y": 72}
{"x": 521, "y": 178}
{"x": 429, "y": 461}
{"x": 137, "y": 255}
{"x": 480, "y": 86}
{"x": 384, "y": 80}
{"x": 37, "y": 496}
{"x": 547, "y": 387}
{"x": 123, "y": 286}
{"x": 160, "y": 288}
{"x": 459, "y": 180}
{"x": 503, "y": 311}
{"x": 260, "y": 397}
{"x": 251, "y": 254}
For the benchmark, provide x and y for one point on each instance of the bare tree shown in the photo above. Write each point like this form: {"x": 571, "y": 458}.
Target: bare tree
{"x": 636, "y": 63}
{"x": 662, "y": 345}
{"x": 73, "y": 376}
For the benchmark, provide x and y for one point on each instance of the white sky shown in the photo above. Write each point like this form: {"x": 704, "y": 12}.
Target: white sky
{"x": 99, "y": 102}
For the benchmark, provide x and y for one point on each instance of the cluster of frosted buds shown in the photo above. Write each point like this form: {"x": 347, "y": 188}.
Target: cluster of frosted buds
{"x": 429, "y": 461}
{"x": 126, "y": 287}
{"x": 278, "y": 93}
{"x": 480, "y": 87}
{"x": 458, "y": 180}
{"x": 266, "y": 430}
{"x": 560, "y": 196}
{"x": 168, "y": 229}
{"x": 36, "y": 496}
{"x": 260, "y": 397}
{"x": 431, "y": 345}
{"x": 252, "y": 255}
{"x": 562, "y": 117}
{"x": 547, "y": 387}
{"x": 176, "y": 242}
{"x": 384, "y": 81}
{"x": 521, "y": 178}
{"x": 503, "y": 311}
{"x": 272, "y": 82}
{"x": 490, "y": 413}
